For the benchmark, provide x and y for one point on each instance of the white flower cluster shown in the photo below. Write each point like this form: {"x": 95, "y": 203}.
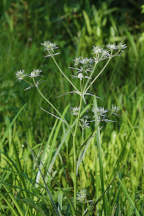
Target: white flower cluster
{"x": 50, "y": 48}
{"x": 100, "y": 112}
{"x": 100, "y": 53}
{"x": 20, "y": 75}
{"x": 84, "y": 123}
{"x": 114, "y": 110}
{"x": 83, "y": 61}
{"x": 35, "y": 73}
{"x": 84, "y": 66}
{"x": 116, "y": 47}
{"x": 75, "y": 111}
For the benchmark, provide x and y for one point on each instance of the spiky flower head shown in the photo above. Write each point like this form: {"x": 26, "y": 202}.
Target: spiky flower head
{"x": 49, "y": 46}
{"x": 35, "y": 73}
{"x": 75, "y": 110}
{"x": 120, "y": 46}
{"x": 20, "y": 74}
{"x": 82, "y": 61}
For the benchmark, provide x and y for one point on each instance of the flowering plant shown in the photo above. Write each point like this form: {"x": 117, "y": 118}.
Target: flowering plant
{"x": 85, "y": 71}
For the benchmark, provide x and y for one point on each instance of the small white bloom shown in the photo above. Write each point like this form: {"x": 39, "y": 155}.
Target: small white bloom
{"x": 100, "y": 53}
{"x": 122, "y": 46}
{"x": 35, "y": 73}
{"x": 96, "y": 59}
{"x": 82, "y": 195}
{"x": 48, "y": 46}
{"x": 75, "y": 111}
{"x": 84, "y": 123}
{"x": 76, "y": 61}
{"x": 83, "y": 61}
{"x": 115, "y": 110}
{"x": 91, "y": 60}
{"x": 99, "y": 110}
{"x": 80, "y": 76}
{"x": 105, "y": 54}
{"x": 97, "y": 50}
{"x": 111, "y": 46}
{"x": 20, "y": 74}
{"x": 116, "y": 47}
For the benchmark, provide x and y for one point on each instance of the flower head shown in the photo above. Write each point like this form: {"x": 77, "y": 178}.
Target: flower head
{"x": 116, "y": 47}
{"x": 35, "y": 73}
{"x": 75, "y": 111}
{"x": 48, "y": 46}
{"x": 99, "y": 110}
{"x": 20, "y": 74}
{"x": 82, "y": 61}
{"x": 100, "y": 53}
{"x": 84, "y": 123}
{"x": 97, "y": 50}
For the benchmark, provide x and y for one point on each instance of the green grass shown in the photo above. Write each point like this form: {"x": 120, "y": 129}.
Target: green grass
{"x": 34, "y": 147}
{"x": 121, "y": 156}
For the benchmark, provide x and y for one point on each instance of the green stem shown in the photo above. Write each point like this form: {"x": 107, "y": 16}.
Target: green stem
{"x": 63, "y": 72}
{"x": 74, "y": 154}
{"x": 99, "y": 148}
{"x": 98, "y": 75}
{"x": 42, "y": 95}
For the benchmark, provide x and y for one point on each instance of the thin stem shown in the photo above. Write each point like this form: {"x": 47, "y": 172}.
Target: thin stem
{"x": 99, "y": 148}
{"x": 90, "y": 76}
{"x": 42, "y": 95}
{"x": 75, "y": 156}
{"x": 98, "y": 75}
{"x": 63, "y": 72}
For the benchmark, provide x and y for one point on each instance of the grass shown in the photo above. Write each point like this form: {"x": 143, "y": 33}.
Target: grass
{"x": 38, "y": 170}
{"x": 121, "y": 156}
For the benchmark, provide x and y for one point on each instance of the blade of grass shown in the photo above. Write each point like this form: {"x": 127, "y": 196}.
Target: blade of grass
{"x": 100, "y": 155}
{"x": 18, "y": 207}
{"x": 9, "y": 205}
{"x": 128, "y": 197}
{"x": 11, "y": 124}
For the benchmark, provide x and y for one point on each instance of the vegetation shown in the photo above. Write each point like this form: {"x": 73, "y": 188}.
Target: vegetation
{"x": 49, "y": 163}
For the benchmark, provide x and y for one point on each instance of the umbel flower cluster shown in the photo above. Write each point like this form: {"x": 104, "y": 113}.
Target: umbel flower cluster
{"x": 21, "y": 74}
{"x": 83, "y": 69}
{"x": 101, "y": 112}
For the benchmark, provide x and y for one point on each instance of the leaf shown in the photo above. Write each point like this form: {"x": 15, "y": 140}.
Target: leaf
{"x": 89, "y": 29}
